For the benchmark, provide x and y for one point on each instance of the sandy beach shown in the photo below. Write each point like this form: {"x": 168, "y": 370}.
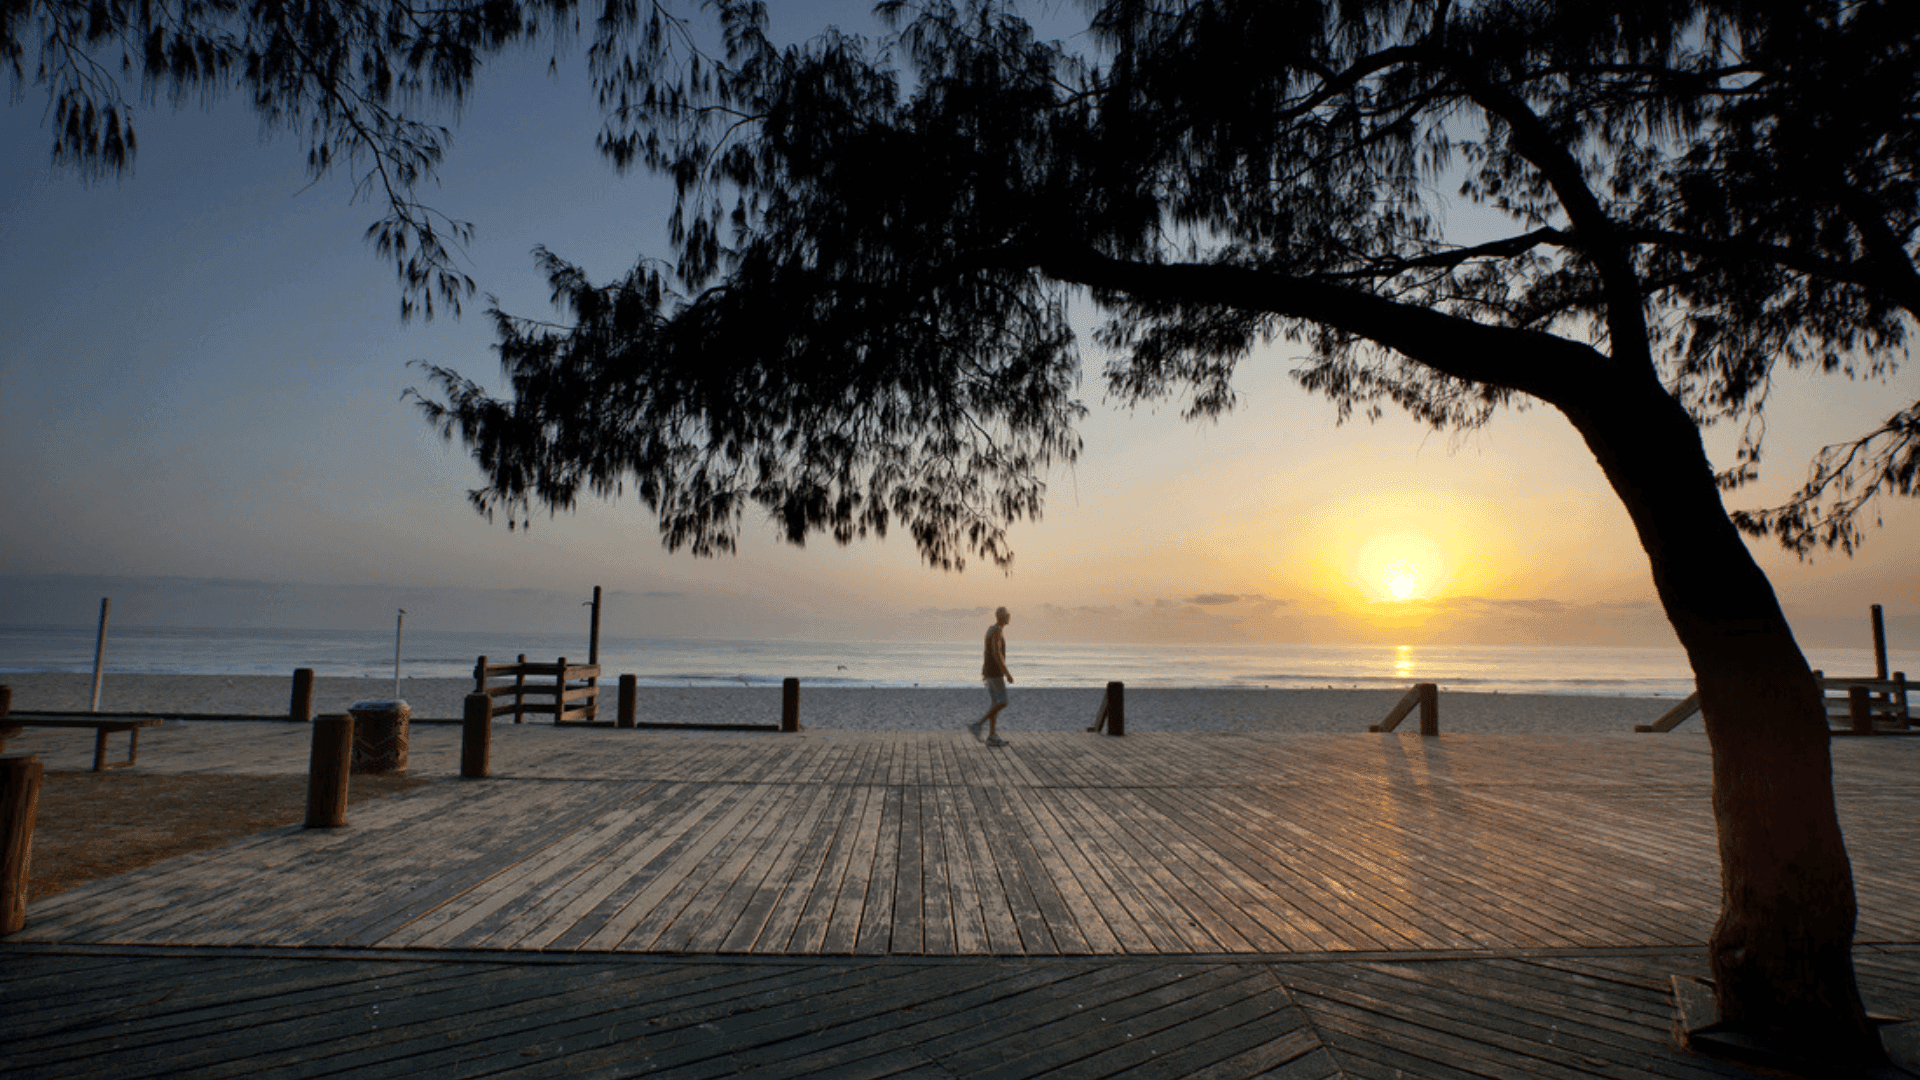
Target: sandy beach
{"x": 883, "y": 708}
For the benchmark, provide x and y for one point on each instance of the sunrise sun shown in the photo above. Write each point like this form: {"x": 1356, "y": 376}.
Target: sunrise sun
{"x": 1399, "y": 566}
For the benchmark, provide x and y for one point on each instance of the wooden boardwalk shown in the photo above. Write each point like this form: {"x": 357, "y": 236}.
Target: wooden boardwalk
{"x": 916, "y": 904}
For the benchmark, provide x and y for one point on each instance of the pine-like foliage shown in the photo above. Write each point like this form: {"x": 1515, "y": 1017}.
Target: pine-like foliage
{"x": 349, "y": 77}
{"x": 864, "y": 322}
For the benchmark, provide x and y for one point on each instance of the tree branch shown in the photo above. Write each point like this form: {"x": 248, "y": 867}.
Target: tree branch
{"x": 1530, "y": 361}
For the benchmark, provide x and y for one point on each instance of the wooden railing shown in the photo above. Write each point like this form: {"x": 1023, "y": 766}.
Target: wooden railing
{"x": 568, "y": 692}
{"x": 1672, "y": 717}
{"x": 1854, "y": 705}
{"x": 1863, "y": 704}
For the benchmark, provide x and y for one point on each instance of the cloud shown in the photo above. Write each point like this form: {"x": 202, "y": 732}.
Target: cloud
{"x": 1214, "y": 598}
{"x": 1538, "y": 605}
{"x": 953, "y": 613}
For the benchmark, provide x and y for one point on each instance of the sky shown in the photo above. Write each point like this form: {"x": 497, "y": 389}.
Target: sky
{"x": 201, "y": 415}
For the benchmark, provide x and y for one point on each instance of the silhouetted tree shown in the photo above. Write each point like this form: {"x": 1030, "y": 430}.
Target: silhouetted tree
{"x": 867, "y": 321}
{"x": 349, "y": 76}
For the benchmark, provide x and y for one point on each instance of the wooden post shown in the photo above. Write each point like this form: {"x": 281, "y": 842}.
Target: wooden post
{"x": 560, "y": 694}
{"x": 1879, "y": 643}
{"x": 100, "y": 651}
{"x": 1860, "y": 709}
{"x": 629, "y": 700}
{"x": 6, "y": 706}
{"x": 1116, "y": 709}
{"x": 1429, "y": 708}
{"x": 593, "y": 657}
{"x": 520, "y": 690}
{"x": 476, "y": 737}
{"x": 20, "y": 776}
{"x": 790, "y": 705}
{"x": 300, "y": 710}
{"x": 1899, "y": 699}
{"x": 327, "y": 769}
{"x": 480, "y": 675}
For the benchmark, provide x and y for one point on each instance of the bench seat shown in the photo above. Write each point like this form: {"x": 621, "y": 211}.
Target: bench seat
{"x": 15, "y": 723}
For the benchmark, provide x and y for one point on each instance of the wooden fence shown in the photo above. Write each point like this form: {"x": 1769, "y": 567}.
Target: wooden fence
{"x": 569, "y": 692}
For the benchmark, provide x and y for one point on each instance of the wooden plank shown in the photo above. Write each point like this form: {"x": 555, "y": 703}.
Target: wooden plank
{"x": 624, "y": 908}
{"x": 983, "y": 913}
{"x": 822, "y": 902}
{"x": 878, "y": 916}
{"x": 738, "y": 933}
{"x": 810, "y": 870}
{"x": 909, "y": 923}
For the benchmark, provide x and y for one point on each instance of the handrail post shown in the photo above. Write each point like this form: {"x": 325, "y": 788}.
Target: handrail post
{"x": 560, "y": 691}
{"x": 1116, "y": 709}
{"x": 790, "y": 705}
{"x": 1860, "y": 709}
{"x": 520, "y": 689}
{"x": 480, "y": 674}
{"x": 1429, "y": 708}
{"x": 1879, "y": 643}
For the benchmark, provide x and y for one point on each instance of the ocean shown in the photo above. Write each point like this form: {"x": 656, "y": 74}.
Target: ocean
{"x": 1600, "y": 671}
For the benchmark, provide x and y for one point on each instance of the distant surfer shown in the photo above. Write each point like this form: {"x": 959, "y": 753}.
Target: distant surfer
{"x": 994, "y": 672}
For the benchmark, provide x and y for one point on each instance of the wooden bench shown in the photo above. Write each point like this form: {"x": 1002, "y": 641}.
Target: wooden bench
{"x": 13, "y": 725}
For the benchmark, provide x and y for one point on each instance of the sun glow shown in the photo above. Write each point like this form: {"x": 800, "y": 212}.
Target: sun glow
{"x": 1399, "y": 566}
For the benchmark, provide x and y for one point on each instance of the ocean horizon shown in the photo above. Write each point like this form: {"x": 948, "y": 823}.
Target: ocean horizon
{"x": 1617, "y": 671}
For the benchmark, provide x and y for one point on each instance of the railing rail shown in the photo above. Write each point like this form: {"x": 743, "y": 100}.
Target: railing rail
{"x": 1426, "y": 696}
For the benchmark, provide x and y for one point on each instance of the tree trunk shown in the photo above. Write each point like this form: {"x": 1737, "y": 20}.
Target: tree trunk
{"x": 1781, "y": 952}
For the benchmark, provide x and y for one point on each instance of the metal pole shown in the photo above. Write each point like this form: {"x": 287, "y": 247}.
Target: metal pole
{"x": 399, "y": 623}
{"x": 100, "y": 651}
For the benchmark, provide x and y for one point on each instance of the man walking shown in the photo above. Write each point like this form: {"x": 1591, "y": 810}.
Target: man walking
{"x": 995, "y": 672}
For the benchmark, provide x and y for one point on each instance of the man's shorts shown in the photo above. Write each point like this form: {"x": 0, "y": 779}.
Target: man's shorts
{"x": 997, "y": 687}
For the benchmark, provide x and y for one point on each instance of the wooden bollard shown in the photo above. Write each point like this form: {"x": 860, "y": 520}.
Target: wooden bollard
{"x": 1116, "y": 709}
{"x": 327, "y": 770}
{"x": 300, "y": 709}
{"x": 476, "y": 737}
{"x": 1860, "y": 709}
{"x": 790, "y": 705}
{"x": 20, "y": 776}
{"x": 1429, "y": 708}
{"x": 629, "y": 700}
